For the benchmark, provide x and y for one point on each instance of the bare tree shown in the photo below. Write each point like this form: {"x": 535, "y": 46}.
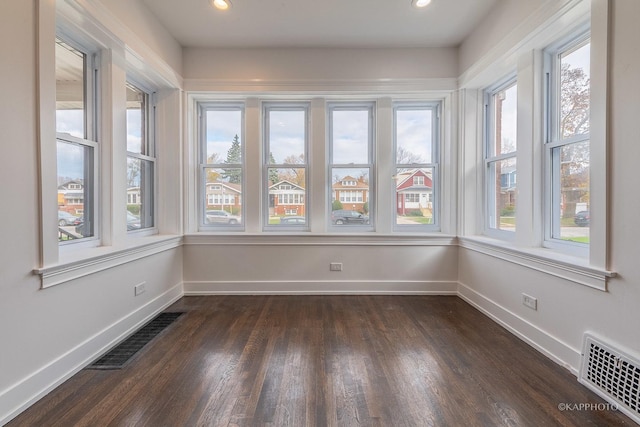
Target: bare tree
{"x": 404, "y": 157}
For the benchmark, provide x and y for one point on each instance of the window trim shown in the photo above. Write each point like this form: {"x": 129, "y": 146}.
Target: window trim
{"x": 436, "y": 160}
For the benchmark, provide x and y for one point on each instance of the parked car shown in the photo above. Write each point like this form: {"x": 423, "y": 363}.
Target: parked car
{"x": 65, "y": 218}
{"x": 133, "y": 222}
{"x": 220, "y": 217}
{"x": 293, "y": 220}
{"x": 581, "y": 219}
{"x": 343, "y": 216}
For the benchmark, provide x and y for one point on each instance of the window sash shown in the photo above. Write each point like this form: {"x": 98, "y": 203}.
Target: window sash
{"x": 227, "y": 172}
{"x": 141, "y": 214}
{"x": 275, "y": 169}
{"x": 432, "y": 198}
{"x": 366, "y": 169}
{"x": 496, "y": 155}
{"x": 554, "y": 145}
{"x": 87, "y": 139}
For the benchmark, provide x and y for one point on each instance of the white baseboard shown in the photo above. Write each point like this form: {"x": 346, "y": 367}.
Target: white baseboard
{"x": 552, "y": 347}
{"x": 25, "y": 393}
{"x": 349, "y": 287}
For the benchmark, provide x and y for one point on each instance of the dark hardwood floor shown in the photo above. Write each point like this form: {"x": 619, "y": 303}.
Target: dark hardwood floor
{"x": 326, "y": 361}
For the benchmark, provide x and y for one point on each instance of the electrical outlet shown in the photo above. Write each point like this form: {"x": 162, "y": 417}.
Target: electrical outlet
{"x": 335, "y": 266}
{"x": 530, "y": 301}
{"x": 140, "y": 288}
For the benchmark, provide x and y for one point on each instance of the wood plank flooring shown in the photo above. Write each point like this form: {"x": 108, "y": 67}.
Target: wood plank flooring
{"x": 326, "y": 361}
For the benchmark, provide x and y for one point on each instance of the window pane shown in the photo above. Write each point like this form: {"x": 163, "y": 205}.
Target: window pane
{"x": 414, "y": 136}
{"x": 501, "y": 198}
{"x": 75, "y": 183}
{"x": 287, "y": 194}
{"x": 70, "y": 90}
{"x": 287, "y": 136}
{"x": 504, "y": 138}
{"x": 414, "y": 196}
{"x": 574, "y": 91}
{"x": 350, "y": 136}
{"x": 223, "y": 198}
{"x": 136, "y": 118}
{"x": 224, "y": 136}
{"x": 571, "y": 165}
{"x": 139, "y": 194}
{"x": 350, "y": 196}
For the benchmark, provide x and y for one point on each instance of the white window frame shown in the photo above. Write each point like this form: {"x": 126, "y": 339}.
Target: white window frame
{"x": 267, "y": 107}
{"x": 553, "y": 141}
{"x": 148, "y": 155}
{"x": 203, "y": 107}
{"x": 489, "y": 159}
{"x": 371, "y": 109}
{"x": 434, "y": 165}
{"x": 91, "y": 139}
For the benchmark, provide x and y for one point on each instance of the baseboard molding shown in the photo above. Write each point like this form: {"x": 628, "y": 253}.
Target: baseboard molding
{"x": 552, "y": 347}
{"x": 25, "y": 393}
{"x": 350, "y": 287}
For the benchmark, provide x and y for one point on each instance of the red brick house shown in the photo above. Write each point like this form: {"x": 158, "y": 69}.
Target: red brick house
{"x": 414, "y": 192}
{"x": 352, "y": 193}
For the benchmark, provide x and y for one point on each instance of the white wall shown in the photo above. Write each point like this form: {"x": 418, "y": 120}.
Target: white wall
{"x": 301, "y": 265}
{"x": 46, "y": 334}
{"x": 138, "y": 19}
{"x": 308, "y": 66}
{"x": 567, "y": 310}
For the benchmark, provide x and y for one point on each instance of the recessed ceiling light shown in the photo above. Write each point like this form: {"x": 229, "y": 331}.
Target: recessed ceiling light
{"x": 420, "y": 3}
{"x": 221, "y": 4}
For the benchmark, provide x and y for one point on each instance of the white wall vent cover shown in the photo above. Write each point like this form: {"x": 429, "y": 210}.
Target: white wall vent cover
{"x": 612, "y": 374}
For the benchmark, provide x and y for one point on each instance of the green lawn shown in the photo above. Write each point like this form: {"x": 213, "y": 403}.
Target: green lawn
{"x": 583, "y": 239}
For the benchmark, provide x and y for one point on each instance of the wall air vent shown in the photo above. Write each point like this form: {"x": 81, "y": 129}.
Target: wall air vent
{"x": 612, "y": 374}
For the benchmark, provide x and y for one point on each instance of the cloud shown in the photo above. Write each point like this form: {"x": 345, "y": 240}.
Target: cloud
{"x": 414, "y": 132}
{"x": 222, "y": 127}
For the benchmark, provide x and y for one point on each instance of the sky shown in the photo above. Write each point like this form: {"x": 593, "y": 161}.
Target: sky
{"x": 414, "y": 133}
{"x": 350, "y": 131}
{"x": 70, "y": 156}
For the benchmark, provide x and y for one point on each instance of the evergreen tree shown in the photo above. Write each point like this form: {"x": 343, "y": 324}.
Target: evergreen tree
{"x": 273, "y": 173}
{"x": 234, "y": 157}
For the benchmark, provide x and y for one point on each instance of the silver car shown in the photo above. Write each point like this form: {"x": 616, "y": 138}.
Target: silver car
{"x": 220, "y": 217}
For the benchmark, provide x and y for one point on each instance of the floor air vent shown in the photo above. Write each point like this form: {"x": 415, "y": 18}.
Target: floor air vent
{"x": 118, "y": 356}
{"x": 611, "y": 374}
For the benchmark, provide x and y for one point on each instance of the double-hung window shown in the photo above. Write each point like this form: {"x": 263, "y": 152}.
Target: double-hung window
{"x": 286, "y": 168}
{"x": 567, "y": 145}
{"x": 140, "y": 159}
{"x": 416, "y": 135}
{"x": 351, "y": 166}
{"x": 77, "y": 141}
{"x": 500, "y": 159}
{"x": 222, "y": 166}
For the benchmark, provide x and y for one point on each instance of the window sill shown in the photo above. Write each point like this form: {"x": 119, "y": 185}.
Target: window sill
{"x": 319, "y": 239}
{"x": 548, "y": 261}
{"x": 75, "y": 264}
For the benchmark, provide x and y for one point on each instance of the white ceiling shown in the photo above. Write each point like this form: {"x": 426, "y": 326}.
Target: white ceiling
{"x": 320, "y": 23}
